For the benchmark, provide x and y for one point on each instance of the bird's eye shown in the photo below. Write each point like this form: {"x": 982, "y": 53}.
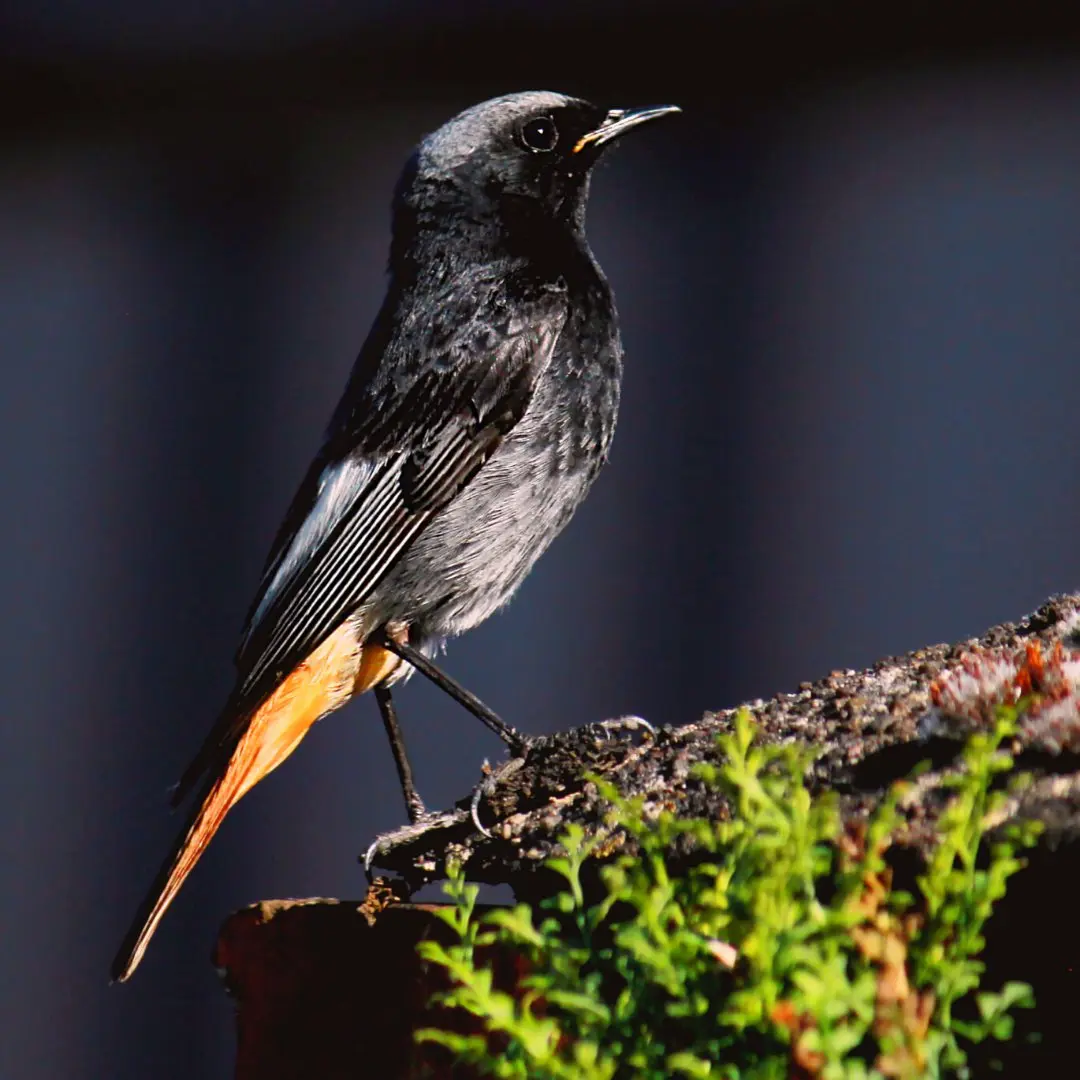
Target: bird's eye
{"x": 540, "y": 134}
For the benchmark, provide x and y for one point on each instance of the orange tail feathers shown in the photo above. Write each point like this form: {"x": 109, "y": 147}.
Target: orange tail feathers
{"x": 333, "y": 673}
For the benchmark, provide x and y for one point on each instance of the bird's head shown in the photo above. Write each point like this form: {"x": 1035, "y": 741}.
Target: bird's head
{"x": 532, "y": 150}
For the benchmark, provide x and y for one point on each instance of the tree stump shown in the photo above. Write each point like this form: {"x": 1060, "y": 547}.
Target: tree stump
{"x": 329, "y": 989}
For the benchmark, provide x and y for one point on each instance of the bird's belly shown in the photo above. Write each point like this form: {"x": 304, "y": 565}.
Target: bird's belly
{"x": 475, "y": 553}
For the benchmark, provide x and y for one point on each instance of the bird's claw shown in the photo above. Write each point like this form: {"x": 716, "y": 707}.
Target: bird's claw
{"x": 490, "y": 782}
{"x": 369, "y": 856}
{"x": 474, "y": 810}
{"x": 386, "y": 842}
{"x": 425, "y": 820}
{"x": 627, "y": 723}
{"x": 481, "y": 789}
{"x": 520, "y": 753}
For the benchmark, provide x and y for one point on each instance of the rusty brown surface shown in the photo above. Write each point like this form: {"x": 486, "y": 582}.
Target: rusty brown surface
{"x": 333, "y": 989}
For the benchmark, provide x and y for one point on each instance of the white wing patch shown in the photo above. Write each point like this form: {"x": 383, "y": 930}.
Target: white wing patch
{"x": 339, "y": 485}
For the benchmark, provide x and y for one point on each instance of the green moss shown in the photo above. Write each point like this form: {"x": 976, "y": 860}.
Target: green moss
{"x": 782, "y": 950}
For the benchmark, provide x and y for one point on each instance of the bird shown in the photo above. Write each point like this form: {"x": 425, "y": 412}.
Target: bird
{"x": 479, "y": 411}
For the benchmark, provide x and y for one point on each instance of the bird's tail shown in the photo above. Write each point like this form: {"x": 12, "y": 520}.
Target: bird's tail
{"x": 326, "y": 680}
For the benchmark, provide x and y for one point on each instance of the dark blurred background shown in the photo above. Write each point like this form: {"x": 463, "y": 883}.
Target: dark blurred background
{"x": 849, "y": 281}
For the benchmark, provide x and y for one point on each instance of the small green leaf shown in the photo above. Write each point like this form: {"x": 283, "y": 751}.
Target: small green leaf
{"x": 685, "y": 1064}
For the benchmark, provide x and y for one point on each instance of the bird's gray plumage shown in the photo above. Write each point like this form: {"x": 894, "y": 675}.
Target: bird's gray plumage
{"x": 478, "y": 412}
{"x": 445, "y": 565}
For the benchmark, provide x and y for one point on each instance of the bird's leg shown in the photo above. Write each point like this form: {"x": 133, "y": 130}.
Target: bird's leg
{"x": 413, "y": 803}
{"x": 517, "y": 742}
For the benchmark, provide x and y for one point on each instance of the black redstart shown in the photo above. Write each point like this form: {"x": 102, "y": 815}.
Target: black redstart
{"x": 477, "y": 416}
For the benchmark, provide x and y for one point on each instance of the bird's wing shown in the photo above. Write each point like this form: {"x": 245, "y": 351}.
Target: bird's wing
{"x": 411, "y": 452}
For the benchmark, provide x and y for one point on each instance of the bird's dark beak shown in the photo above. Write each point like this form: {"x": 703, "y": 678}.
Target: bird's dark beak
{"x": 619, "y": 121}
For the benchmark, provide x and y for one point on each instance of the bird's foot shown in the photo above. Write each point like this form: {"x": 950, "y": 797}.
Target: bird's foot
{"x": 626, "y": 723}
{"x": 386, "y": 842}
{"x": 522, "y": 748}
{"x": 524, "y": 745}
{"x": 491, "y": 781}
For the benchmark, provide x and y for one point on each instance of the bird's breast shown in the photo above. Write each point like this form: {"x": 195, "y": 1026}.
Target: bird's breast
{"x": 479, "y": 548}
